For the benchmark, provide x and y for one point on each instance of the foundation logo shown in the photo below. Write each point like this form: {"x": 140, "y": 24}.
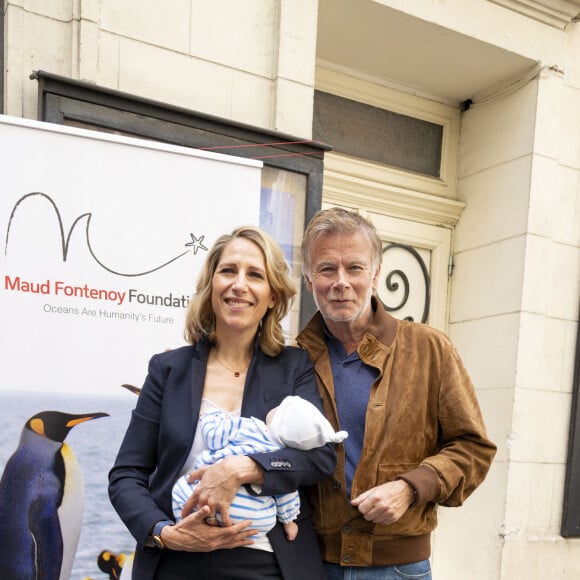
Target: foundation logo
{"x": 61, "y": 288}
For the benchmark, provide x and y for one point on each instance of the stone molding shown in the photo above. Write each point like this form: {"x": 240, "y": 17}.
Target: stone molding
{"x": 557, "y": 13}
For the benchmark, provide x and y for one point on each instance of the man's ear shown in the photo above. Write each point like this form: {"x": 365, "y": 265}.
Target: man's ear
{"x": 308, "y": 282}
{"x": 376, "y": 278}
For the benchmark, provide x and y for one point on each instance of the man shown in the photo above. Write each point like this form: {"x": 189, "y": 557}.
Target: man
{"x": 416, "y": 434}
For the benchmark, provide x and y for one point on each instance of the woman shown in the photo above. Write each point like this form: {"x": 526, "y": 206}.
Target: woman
{"x": 236, "y": 363}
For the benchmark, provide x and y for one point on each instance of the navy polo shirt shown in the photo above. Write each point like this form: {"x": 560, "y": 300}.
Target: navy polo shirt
{"x": 353, "y": 380}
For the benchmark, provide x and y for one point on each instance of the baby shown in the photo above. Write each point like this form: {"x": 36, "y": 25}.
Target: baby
{"x": 294, "y": 423}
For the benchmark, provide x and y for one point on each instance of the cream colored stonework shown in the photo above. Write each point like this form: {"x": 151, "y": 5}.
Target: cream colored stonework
{"x": 508, "y": 198}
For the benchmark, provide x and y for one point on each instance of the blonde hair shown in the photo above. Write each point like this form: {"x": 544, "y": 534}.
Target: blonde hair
{"x": 200, "y": 318}
{"x": 337, "y": 220}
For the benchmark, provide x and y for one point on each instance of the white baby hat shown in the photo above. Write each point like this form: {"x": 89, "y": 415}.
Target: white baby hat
{"x": 299, "y": 424}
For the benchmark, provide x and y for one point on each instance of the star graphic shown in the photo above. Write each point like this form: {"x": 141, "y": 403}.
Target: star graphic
{"x": 196, "y": 244}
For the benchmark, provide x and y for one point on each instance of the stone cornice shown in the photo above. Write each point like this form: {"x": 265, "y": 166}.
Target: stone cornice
{"x": 557, "y": 13}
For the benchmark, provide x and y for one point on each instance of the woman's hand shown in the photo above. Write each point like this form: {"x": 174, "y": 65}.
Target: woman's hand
{"x": 192, "y": 534}
{"x": 219, "y": 483}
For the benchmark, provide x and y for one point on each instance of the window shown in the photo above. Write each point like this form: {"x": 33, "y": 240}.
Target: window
{"x": 571, "y": 511}
{"x": 292, "y": 175}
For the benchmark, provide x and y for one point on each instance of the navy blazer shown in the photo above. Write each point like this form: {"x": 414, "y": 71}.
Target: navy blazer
{"x": 160, "y": 435}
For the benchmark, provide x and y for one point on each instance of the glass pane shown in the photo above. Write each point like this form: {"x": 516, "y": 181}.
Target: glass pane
{"x": 282, "y": 206}
{"x": 376, "y": 134}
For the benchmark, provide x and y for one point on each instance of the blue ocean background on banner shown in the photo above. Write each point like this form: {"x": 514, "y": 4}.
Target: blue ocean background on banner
{"x": 95, "y": 443}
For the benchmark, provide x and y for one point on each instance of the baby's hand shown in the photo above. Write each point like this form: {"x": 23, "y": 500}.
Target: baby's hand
{"x": 291, "y": 529}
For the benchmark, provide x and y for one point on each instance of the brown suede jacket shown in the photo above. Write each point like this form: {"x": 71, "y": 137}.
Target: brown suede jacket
{"x": 423, "y": 425}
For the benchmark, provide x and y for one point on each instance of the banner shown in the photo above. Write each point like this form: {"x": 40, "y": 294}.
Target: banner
{"x": 102, "y": 237}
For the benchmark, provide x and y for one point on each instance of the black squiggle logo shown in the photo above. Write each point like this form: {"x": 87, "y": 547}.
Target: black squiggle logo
{"x": 196, "y": 242}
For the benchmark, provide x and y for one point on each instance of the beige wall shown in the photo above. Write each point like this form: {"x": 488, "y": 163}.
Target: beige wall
{"x": 251, "y": 61}
{"x": 514, "y": 309}
{"x": 516, "y": 287}
{"x": 485, "y": 308}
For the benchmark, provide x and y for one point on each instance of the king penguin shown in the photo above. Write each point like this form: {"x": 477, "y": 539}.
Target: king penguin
{"x": 41, "y": 500}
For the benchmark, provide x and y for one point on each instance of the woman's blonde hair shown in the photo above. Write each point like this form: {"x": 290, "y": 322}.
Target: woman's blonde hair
{"x": 200, "y": 318}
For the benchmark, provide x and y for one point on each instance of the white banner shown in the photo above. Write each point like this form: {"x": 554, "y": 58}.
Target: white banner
{"x": 102, "y": 241}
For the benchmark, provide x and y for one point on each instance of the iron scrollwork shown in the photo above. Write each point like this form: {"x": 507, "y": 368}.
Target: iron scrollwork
{"x": 394, "y": 276}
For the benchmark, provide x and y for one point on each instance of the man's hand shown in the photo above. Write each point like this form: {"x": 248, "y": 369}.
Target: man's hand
{"x": 386, "y": 503}
{"x": 192, "y": 534}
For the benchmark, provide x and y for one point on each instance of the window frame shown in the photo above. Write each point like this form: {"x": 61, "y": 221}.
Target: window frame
{"x": 2, "y": 60}
{"x": 447, "y": 116}
{"x": 66, "y": 101}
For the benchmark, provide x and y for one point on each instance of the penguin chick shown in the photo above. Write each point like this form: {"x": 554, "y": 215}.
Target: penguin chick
{"x": 41, "y": 500}
{"x": 111, "y": 564}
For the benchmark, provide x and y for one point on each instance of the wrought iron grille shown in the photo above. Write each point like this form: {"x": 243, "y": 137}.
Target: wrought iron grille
{"x": 392, "y": 279}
